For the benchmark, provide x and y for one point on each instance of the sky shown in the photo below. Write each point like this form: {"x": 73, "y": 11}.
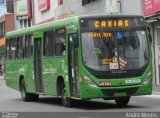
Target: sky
{"x": 2, "y": 8}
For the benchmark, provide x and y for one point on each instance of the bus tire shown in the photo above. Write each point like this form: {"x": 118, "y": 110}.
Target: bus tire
{"x": 34, "y": 97}
{"x": 67, "y": 102}
{"x": 122, "y": 101}
{"x": 27, "y": 96}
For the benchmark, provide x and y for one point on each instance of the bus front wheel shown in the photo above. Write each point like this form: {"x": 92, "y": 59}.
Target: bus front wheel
{"x": 65, "y": 100}
{"x": 122, "y": 101}
{"x": 27, "y": 96}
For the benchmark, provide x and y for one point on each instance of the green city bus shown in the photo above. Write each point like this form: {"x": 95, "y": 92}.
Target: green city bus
{"x": 82, "y": 58}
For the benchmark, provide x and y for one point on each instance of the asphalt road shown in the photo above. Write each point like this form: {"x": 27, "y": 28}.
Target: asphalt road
{"x": 11, "y": 106}
{"x": 10, "y": 101}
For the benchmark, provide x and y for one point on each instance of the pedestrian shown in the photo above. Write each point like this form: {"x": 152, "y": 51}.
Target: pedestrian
{"x": 0, "y": 69}
{"x": 3, "y": 71}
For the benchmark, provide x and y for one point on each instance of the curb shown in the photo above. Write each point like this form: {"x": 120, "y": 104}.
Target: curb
{"x": 156, "y": 93}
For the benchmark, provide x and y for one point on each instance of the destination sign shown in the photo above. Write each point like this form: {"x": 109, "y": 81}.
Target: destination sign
{"x": 109, "y": 23}
{"x": 100, "y": 34}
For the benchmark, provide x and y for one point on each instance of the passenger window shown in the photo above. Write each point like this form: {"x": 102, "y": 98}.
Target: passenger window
{"x": 49, "y": 43}
{"x": 8, "y": 49}
{"x": 28, "y": 46}
{"x": 13, "y": 48}
{"x": 20, "y": 51}
{"x": 60, "y": 43}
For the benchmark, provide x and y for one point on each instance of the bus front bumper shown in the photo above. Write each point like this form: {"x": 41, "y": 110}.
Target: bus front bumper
{"x": 87, "y": 92}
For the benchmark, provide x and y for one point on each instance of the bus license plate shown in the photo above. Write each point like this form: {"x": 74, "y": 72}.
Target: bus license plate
{"x": 133, "y": 81}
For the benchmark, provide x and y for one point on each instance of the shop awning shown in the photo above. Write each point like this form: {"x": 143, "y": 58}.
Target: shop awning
{"x": 153, "y": 18}
{"x": 2, "y": 41}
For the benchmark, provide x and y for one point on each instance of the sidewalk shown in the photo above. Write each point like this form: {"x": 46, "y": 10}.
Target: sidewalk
{"x": 156, "y": 89}
{"x": 2, "y": 82}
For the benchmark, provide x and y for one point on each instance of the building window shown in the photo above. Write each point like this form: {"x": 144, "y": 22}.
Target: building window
{"x": 2, "y": 29}
{"x": 29, "y": 23}
{"x": 49, "y": 43}
{"x": 84, "y": 2}
{"x": 21, "y": 24}
{"x": 60, "y": 2}
{"x": 25, "y": 23}
{"x": 60, "y": 43}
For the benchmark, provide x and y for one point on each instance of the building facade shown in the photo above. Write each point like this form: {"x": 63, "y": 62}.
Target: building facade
{"x": 6, "y": 24}
{"x": 21, "y": 14}
{"x": 47, "y": 10}
{"x": 82, "y": 7}
{"x": 44, "y": 11}
{"x": 20, "y": 10}
{"x": 152, "y": 15}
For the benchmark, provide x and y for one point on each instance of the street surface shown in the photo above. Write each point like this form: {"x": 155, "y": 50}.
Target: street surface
{"x": 10, "y": 101}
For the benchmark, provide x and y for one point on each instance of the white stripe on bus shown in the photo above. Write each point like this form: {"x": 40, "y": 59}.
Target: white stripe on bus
{"x": 122, "y": 60}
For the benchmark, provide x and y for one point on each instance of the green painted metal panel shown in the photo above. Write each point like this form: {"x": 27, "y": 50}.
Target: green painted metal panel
{"x": 54, "y": 67}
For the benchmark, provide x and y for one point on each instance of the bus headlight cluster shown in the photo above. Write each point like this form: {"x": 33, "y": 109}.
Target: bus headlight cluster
{"x": 148, "y": 77}
{"x": 89, "y": 81}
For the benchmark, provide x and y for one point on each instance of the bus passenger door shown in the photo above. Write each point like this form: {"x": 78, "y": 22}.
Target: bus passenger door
{"x": 37, "y": 64}
{"x": 73, "y": 65}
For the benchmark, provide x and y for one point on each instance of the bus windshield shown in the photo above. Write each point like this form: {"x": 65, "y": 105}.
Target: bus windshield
{"x": 115, "y": 50}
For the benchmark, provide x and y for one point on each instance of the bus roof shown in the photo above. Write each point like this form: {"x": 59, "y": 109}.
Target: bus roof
{"x": 110, "y": 16}
{"x": 60, "y": 23}
{"x": 43, "y": 27}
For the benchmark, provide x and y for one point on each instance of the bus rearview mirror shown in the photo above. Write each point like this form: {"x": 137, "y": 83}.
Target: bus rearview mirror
{"x": 74, "y": 40}
{"x": 150, "y": 38}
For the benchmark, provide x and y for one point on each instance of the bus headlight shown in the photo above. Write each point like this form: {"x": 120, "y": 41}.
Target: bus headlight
{"x": 89, "y": 81}
{"x": 148, "y": 77}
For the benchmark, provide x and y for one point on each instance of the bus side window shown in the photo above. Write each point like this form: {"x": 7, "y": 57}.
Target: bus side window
{"x": 8, "y": 46}
{"x": 28, "y": 46}
{"x": 13, "y": 48}
{"x": 60, "y": 43}
{"x": 49, "y": 43}
{"x": 20, "y": 51}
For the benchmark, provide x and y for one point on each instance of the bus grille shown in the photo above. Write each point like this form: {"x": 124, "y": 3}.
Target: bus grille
{"x": 111, "y": 92}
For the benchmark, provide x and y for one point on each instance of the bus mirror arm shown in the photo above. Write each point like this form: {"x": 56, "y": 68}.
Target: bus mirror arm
{"x": 149, "y": 35}
{"x": 75, "y": 41}
{"x": 149, "y": 30}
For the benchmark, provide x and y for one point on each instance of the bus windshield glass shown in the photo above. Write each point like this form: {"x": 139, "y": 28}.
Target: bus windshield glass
{"x": 114, "y": 43}
{"x": 115, "y": 50}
